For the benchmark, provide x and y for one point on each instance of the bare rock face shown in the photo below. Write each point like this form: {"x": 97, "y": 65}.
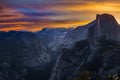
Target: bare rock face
{"x": 105, "y": 26}
{"x": 99, "y": 53}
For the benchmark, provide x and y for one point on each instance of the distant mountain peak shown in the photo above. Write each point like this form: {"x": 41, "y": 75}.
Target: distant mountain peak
{"x": 104, "y": 15}
{"x": 105, "y": 26}
{"x": 106, "y": 20}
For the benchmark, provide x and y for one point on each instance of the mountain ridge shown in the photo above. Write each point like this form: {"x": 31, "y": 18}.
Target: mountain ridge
{"x": 98, "y": 53}
{"x": 68, "y": 49}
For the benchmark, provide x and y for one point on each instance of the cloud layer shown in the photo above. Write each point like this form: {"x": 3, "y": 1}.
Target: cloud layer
{"x": 33, "y": 15}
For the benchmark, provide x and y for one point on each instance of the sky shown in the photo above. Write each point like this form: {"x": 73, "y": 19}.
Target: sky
{"x": 34, "y": 15}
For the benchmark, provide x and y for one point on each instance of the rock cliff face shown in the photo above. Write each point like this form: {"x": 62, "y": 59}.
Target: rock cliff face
{"x": 51, "y": 37}
{"x": 105, "y": 26}
{"x": 99, "y": 53}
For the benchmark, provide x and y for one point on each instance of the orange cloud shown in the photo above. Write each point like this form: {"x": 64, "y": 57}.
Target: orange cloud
{"x": 12, "y": 28}
{"x": 47, "y": 24}
{"x": 69, "y": 14}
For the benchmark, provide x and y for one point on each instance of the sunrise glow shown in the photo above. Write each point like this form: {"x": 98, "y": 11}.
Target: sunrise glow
{"x": 35, "y": 15}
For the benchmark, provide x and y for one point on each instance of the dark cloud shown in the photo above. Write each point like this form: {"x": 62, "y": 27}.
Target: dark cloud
{"x": 20, "y": 20}
{"x": 33, "y": 12}
{"x": 37, "y": 14}
{"x": 2, "y": 7}
{"x": 4, "y": 15}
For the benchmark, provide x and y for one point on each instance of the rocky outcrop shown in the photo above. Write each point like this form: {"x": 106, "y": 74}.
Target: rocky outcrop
{"x": 98, "y": 53}
{"x": 70, "y": 61}
{"x": 105, "y": 26}
{"x": 56, "y": 39}
{"x": 51, "y": 37}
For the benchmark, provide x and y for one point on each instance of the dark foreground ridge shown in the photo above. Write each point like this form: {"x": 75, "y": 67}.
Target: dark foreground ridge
{"x": 62, "y": 54}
